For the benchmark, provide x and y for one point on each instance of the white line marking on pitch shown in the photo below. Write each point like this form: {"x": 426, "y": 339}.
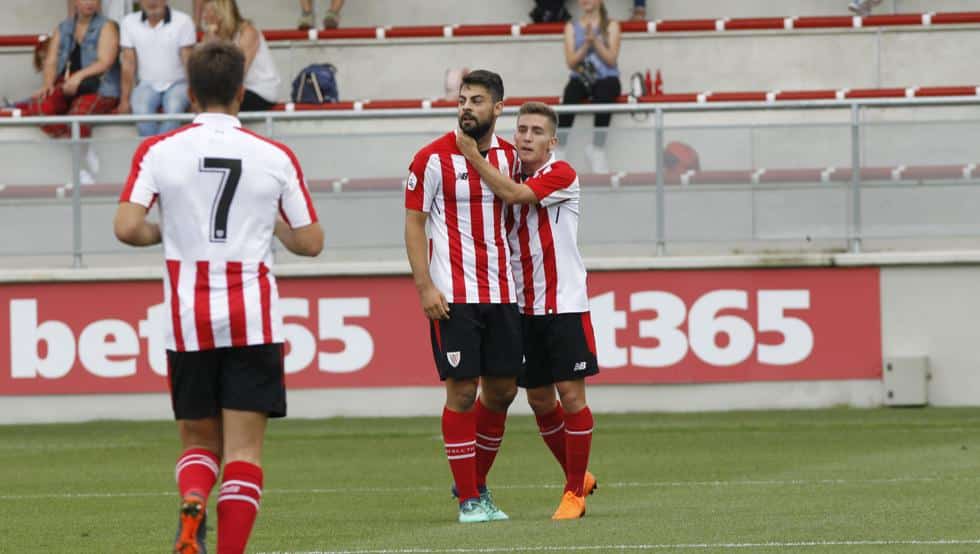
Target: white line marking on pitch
{"x": 625, "y": 547}
{"x": 652, "y": 484}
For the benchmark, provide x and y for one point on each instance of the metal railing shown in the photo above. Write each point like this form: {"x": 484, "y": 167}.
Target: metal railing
{"x": 856, "y": 108}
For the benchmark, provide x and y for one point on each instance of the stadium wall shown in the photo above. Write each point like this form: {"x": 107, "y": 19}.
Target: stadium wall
{"x": 803, "y": 332}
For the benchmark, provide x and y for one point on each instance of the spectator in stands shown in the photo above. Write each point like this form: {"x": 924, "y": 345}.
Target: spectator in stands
{"x": 639, "y": 10}
{"x": 156, "y": 43}
{"x": 549, "y": 11}
{"x": 330, "y": 21}
{"x": 81, "y": 70}
{"x": 591, "y": 52}
{"x": 863, "y": 7}
{"x": 113, "y": 9}
{"x": 222, "y": 20}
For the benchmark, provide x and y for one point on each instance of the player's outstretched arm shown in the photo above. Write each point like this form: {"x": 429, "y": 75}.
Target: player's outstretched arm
{"x": 131, "y": 226}
{"x": 434, "y": 304}
{"x": 302, "y": 241}
{"x": 502, "y": 186}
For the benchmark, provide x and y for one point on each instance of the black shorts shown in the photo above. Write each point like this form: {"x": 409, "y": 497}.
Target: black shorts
{"x": 248, "y": 378}
{"x": 557, "y": 347}
{"x": 477, "y": 340}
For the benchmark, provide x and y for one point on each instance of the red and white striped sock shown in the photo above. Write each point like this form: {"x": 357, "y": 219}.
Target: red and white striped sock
{"x": 238, "y": 504}
{"x": 552, "y": 427}
{"x": 578, "y": 442}
{"x": 489, "y": 434}
{"x": 459, "y": 435}
{"x": 197, "y": 472}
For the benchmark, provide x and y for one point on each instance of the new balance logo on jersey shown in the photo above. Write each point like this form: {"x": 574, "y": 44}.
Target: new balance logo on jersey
{"x": 453, "y": 358}
{"x": 464, "y": 176}
{"x": 580, "y": 366}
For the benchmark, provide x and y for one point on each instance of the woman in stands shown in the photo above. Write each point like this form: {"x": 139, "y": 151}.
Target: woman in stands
{"x": 81, "y": 69}
{"x": 222, "y": 20}
{"x": 591, "y": 52}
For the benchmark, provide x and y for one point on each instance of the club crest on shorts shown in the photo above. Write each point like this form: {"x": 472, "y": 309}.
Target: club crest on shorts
{"x": 453, "y": 358}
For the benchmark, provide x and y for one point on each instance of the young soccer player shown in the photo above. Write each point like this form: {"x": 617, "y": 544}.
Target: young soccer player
{"x": 559, "y": 344}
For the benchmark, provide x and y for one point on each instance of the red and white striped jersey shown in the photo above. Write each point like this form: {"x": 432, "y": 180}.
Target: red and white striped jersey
{"x": 220, "y": 187}
{"x": 468, "y": 250}
{"x": 548, "y": 268}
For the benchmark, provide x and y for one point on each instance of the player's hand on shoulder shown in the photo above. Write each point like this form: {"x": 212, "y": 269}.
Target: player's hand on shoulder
{"x": 467, "y": 146}
{"x": 434, "y": 303}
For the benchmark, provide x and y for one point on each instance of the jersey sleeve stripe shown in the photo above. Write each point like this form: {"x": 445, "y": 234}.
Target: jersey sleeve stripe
{"x": 202, "y": 307}
{"x": 236, "y": 304}
{"x": 299, "y": 170}
{"x": 265, "y": 295}
{"x": 141, "y": 152}
{"x": 173, "y": 274}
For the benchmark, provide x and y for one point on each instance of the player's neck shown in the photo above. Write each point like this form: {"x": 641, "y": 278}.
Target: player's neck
{"x": 532, "y": 167}
{"x": 485, "y": 142}
{"x": 224, "y": 110}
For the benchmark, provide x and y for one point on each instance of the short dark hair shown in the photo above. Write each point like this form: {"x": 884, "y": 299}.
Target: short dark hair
{"x": 488, "y": 80}
{"x": 216, "y": 71}
{"x": 539, "y": 108}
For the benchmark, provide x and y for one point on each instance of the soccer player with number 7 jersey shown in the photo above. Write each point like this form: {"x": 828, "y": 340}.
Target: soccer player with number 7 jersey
{"x": 559, "y": 343}
{"x": 223, "y": 192}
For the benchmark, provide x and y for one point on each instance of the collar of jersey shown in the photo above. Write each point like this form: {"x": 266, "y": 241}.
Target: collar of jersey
{"x": 546, "y": 165}
{"x": 218, "y": 120}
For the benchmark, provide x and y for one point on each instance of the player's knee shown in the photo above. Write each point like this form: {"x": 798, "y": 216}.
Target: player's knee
{"x": 541, "y": 402}
{"x": 462, "y": 396}
{"x": 572, "y": 397}
{"x": 500, "y": 397}
{"x": 200, "y": 433}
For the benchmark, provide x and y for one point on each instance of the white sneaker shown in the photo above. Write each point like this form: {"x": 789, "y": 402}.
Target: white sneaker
{"x": 86, "y": 178}
{"x": 92, "y": 160}
{"x": 596, "y": 155}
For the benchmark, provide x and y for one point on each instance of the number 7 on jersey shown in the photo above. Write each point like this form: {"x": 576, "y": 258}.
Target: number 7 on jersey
{"x": 231, "y": 173}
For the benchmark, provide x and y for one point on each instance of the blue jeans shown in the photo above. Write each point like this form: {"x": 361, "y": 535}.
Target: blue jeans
{"x": 146, "y": 100}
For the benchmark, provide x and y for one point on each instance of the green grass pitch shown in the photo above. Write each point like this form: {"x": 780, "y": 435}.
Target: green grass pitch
{"x": 825, "y": 481}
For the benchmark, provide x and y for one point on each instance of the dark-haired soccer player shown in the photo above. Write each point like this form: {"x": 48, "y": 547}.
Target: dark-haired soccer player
{"x": 221, "y": 189}
{"x": 559, "y": 344}
{"x": 456, "y": 245}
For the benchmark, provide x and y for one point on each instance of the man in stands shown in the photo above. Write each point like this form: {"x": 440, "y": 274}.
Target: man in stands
{"x": 454, "y": 236}
{"x": 559, "y": 344}
{"x": 156, "y": 42}
{"x": 221, "y": 189}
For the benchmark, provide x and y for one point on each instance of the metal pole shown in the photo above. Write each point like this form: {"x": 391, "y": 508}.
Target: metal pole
{"x": 76, "y": 193}
{"x": 269, "y": 128}
{"x": 661, "y": 227}
{"x": 855, "y": 216}
{"x": 754, "y": 166}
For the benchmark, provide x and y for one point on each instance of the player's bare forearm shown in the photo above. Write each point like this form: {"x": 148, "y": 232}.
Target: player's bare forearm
{"x": 434, "y": 304}
{"x": 131, "y": 227}
{"x": 416, "y": 248}
{"x": 502, "y": 186}
{"x": 302, "y": 241}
